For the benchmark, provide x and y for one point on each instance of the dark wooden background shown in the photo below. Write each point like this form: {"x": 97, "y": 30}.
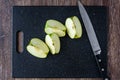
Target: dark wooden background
{"x": 6, "y": 34}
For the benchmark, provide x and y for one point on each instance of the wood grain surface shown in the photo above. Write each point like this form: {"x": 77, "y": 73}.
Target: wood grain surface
{"x": 6, "y": 35}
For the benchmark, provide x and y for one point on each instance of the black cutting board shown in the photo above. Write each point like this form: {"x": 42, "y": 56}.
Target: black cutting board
{"x": 75, "y": 60}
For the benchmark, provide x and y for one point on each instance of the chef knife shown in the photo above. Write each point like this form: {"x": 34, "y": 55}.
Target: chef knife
{"x": 93, "y": 40}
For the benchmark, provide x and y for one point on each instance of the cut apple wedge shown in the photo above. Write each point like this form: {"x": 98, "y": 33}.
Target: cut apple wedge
{"x": 78, "y": 27}
{"x": 53, "y": 43}
{"x": 71, "y": 29}
{"x": 54, "y": 26}
{"x": 38, "y": 48}
{"x": 74, "y": 28}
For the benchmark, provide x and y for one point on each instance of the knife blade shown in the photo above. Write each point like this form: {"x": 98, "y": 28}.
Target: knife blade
{"x": 93, "y": 39}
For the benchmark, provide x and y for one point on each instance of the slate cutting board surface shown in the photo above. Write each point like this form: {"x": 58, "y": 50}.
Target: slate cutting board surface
{"x": 75, "y": 60}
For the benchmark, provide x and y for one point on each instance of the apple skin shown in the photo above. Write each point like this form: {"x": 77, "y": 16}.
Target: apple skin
{"x": 54, "y": 26}
{"x": 74, "y": 28}
{"x": 37, "y": 48}
{"x": 53, "y": 42}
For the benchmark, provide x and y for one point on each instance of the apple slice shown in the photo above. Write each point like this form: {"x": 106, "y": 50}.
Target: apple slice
{"x": 73, "y": 26}
{"x": 54, "y": 26}
{"x": 53, "y": 42}
{"x": 78, "y": 27}
{"x": 71, "y": 30}
{"x": 37, "y": 48}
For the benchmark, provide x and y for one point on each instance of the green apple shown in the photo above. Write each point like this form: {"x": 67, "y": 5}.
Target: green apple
{"x": 37, "y": 48}
{"x": 74, "y": 28}
{"x": 53, "y": 42}
{"x": 54, "y": 26}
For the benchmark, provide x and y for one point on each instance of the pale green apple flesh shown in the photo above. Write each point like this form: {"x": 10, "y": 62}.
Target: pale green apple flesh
{"x": 53, "y": 43}
{"x": 60, "y": 33}
{"x": 71, "y": 30}
{"x": 54, "y": 26}
{"x": 38, "y": 48}
{"x": 73, "y": 27}
{"x": 78, "y": 27}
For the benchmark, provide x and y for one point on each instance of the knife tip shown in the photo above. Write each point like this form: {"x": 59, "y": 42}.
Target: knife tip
{"x": 79, "y": 3}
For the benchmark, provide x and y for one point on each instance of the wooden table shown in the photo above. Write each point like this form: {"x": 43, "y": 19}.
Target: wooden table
{"x": 6, "y": 34}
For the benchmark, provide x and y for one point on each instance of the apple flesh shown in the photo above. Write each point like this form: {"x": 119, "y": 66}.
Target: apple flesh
{"x": 78, "y": 27}
{"x": 71, "y": 30}
{"x": 73, "y": 26}
{"x": 54, "y": 26}
{"x": 53, "y": 42}
{"x": 38, "y": 48}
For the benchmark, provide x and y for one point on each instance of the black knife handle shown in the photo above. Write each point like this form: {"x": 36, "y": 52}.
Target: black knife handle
{"x": 101, "y": 66}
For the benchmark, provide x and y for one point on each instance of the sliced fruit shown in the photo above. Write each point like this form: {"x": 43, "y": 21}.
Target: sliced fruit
{"x": 70, "y": 27}
{"x": 54, "y": 26}
{"x": 78, "y": 27}
{"x": 73, "y": 27}
{"x": 36, "y": 52}
{"x": 37, "y": 48}
{"x": 53, "y": 43}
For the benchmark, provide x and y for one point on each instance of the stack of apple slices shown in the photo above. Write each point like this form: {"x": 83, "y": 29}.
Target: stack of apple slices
{"x": 74, "y": 28}
{"x": 54, "y": 29}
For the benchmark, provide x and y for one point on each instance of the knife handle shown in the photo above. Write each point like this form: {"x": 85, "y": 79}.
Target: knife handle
{"x": 101, "y": 66}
